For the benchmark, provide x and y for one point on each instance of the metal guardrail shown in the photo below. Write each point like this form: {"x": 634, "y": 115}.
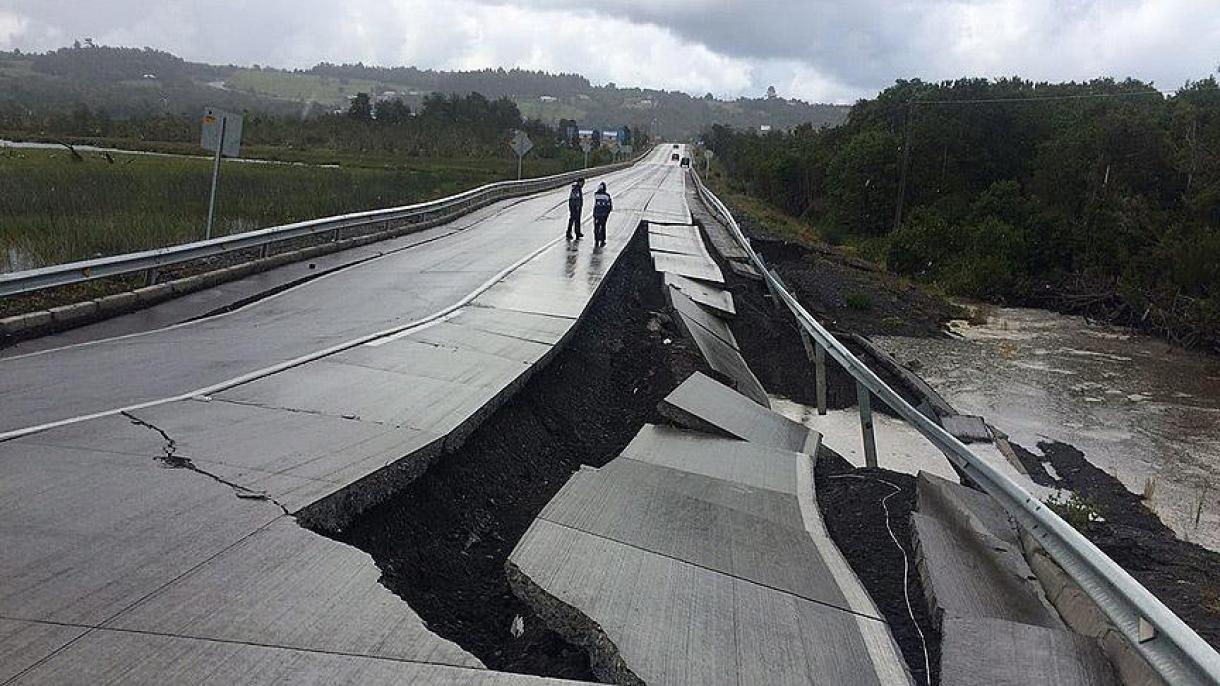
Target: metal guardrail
{"x": 1170, "y": 647}
{"x": 149, "y": 261}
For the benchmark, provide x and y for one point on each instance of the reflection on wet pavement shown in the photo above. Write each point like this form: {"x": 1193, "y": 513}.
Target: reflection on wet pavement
{"x": 1143, "y": 411}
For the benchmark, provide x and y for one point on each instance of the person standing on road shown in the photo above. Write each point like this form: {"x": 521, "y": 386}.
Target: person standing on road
{"x": 576, "y": 203}
{"x": 602, "y": 206}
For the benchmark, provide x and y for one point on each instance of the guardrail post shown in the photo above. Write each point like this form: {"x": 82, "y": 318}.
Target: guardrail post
{"x": 150, "y": 276}
{"x": 865, "y": 401}
{"x": 262, "y": 251}
{"x": 817, "y": 355}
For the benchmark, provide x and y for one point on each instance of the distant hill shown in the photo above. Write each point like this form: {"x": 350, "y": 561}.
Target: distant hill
{"x": 130, "y": 81}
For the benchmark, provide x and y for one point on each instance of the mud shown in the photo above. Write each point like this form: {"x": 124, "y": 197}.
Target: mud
{"x": 1184, "y": 576}
{"x": 442, "y": 542}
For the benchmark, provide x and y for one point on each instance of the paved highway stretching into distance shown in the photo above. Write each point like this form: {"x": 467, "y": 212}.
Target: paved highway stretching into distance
{"x": 444, "y": 265}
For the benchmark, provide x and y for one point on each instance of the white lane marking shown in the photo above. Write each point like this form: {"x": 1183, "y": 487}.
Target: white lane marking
{"x": 403, "y": 334}
{"x": 295, "y": 362}
{"x": 262, "y": 301}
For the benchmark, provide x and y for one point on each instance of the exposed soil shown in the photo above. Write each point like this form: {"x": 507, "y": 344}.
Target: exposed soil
{"x": 1184, "y": 576}
{"x": 442, "y": 542}
{"x": 847, "y": 293}
{"x": 850, "y": 501}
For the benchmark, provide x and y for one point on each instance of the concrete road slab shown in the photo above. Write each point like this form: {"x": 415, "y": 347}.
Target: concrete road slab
{"x": 700, "y": 402}
{"x": 775, "y": 507}
{"x": 688, "y": 266}
{"x": 86, "y": 534}
{"x": 694, "y": 312}
{"x": 297, "y": 590}
{"x": 748, "y": 464}
{"x": 696, "y": 530}
{"x": 719, "y": 300}
{"x": 120, "y": 657}
{"x": 548, "y": 295}
{"x": 535, "y": 328}
{"x": 682, "y": 231}
{"x": 329, "y": 387}
{"x": 992, "y": 651}
{"x": 967, "y": 428}
{"x": 410, "y": 356}
{"x": 23, "y": 644}
{"x": 955, "y": 504}
{"x": 684, "y": 245}
{"x": 673, "y": 622}
{"x": 668, "y": 205}
{"x": 972, "y": 574}
{"x": 725, "y": 359}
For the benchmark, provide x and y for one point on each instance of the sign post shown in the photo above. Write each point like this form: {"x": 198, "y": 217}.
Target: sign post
{"x": 521, "y": 144}
{"x": 707, "y": 162}
{"x": 221, "y": 134}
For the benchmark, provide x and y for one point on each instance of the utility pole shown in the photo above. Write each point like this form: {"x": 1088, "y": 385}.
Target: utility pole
{"x": 906, "y": 161}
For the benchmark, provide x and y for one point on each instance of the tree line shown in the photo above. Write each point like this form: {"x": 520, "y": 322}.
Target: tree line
{"x": 1100, "y": 198}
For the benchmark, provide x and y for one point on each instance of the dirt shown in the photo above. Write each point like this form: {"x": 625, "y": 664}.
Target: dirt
{"x": 1184, "y": 576}
{"x": 442, "y": 542}
{"x": 847, "y": 293}
{"x": 850, "y": 501}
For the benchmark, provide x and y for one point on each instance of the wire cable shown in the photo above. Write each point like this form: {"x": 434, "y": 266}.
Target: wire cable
{"x": 906, "y": 565}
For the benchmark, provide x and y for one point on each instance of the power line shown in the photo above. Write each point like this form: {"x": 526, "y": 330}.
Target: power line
{"x": 1036, "y": 98}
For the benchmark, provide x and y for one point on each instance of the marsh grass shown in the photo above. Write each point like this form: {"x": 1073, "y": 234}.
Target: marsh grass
{"x": 54, "y": 209}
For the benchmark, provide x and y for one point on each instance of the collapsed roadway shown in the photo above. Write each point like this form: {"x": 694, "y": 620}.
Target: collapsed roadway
{"x": 164, "y": 489}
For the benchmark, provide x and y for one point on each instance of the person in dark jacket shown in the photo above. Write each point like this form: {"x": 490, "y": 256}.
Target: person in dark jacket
{"x": 576, "y": 202}
{"x": 602, "y": 206}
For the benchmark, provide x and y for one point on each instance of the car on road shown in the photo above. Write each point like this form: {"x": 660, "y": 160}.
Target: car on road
{"x": 674, "y": 157}
{"x": 685, "y": 161}
{"x": 675, "y": 146}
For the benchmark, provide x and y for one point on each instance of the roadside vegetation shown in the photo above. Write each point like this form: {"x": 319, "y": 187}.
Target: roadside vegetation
{"x": 1101, "y": 198}
{"x": 55, "y": 208}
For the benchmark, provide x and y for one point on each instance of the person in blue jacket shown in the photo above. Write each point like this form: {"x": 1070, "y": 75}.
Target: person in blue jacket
{"x": 576, "y": 203}
{"x": 602, "y": 206}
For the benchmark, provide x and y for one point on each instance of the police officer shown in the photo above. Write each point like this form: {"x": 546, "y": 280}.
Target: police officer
{"x": 602, "y": 206}
{"x": 576, "y": 202}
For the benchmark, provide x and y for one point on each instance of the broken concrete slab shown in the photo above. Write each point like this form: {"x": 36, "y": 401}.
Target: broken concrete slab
{"x": 959, "y": 506}
{"x": 283, "y": 567}
{"x": 694, "y": 312}
{"x": 723, "y": 539}
{"x": 748, "y": 464}
{"x": 702, "y": 403}
{"x": 23, "y": 644}
{"x": 973, "y": 574}
{"x": 106, "y": 529}
{"x": 120, "y": 657}
{"x": 967, "y": 428}
{"x": 682, "y": 231}
{"x": 688, "y": 266}
{"x": 725, "y": 359}
{"x": 993, "y": 651}
{"x": 693, "y": 245}
{"x": 745, "y": 269}
{"x": 656, "y": 619}
{"x": 719, "y": 300}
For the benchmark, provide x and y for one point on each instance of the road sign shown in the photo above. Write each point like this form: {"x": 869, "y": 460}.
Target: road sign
{"x": 222, "y": 135}
{"x": 521, "y": 144}
{"x": 221, "y": 130}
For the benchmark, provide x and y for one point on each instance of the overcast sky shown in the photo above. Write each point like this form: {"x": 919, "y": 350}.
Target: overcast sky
{"x": 818, "y": 50}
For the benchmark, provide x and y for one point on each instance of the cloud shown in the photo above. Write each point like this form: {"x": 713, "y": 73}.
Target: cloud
{"x": 815, "y": 49}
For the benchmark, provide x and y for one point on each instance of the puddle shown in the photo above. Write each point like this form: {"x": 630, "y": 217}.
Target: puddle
{"x": 1141, "y": 410}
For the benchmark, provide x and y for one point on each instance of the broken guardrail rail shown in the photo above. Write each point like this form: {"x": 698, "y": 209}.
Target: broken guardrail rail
{"x": 150, "y": 261}
{"x": 1171, "y": 648}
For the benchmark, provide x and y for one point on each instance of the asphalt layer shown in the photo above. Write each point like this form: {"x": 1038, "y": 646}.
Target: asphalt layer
{"x": 1184, "y": 576}
{"x": 442, "y": 542}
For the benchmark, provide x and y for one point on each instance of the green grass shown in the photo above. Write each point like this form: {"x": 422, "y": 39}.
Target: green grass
{"x": 54, "y": 210}
{"x": 533, "y": 108}
{"x": 304, "y": 87}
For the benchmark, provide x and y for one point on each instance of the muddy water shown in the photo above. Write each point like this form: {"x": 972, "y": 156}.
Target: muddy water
{"x": 1141, "y": 410}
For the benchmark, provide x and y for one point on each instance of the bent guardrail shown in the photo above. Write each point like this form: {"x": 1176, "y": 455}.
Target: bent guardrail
{"x": 149, "y": 261}
{"x": 1171, "y": 648}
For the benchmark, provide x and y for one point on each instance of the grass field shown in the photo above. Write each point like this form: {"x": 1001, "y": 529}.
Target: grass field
{"x": 54, "y": 209}
{"x": 303, "y": 87}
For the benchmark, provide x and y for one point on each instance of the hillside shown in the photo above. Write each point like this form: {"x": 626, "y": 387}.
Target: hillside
{"x": 127, "y": 82}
